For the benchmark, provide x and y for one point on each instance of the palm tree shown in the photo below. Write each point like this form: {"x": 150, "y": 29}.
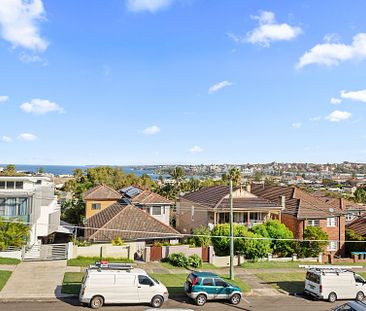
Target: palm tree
{"x": 235, "y": 176}
{"x": 178, "y": 174}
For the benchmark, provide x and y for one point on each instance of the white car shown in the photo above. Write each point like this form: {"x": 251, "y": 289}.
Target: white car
{"x": 332, "y": 284}
{"x": 120, "y": 284}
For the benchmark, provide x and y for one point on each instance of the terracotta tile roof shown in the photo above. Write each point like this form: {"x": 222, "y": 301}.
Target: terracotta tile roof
{"x": 297, "y": 202}
{"x": 343, "y": 204}
{"x": 102, "y": 192}
{"x": 147, "y": 197}
{"x": 215, "y": 197}
{"x": 358, "y": 226}
{"x": 135, "y": 223}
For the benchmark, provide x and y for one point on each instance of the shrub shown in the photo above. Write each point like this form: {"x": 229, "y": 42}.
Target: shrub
{"x": 201, "y": 237}
{"x": 117, "y": 241}
{"x": 354, "y": 247}
{"x": 311, "y": 248}
{"x": 194, "y": 261}
{"x": 80, "y": 243}
{"x": 178, "y": 260}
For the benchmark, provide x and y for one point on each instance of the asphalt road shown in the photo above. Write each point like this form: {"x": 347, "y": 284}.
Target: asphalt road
{"x": 280, "y": 303}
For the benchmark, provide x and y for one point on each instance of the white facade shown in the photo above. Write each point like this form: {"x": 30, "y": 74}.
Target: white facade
{"x": 30, "y": 200}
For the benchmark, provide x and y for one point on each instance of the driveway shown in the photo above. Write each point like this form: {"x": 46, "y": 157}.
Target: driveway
{"x": 37, "y": 280}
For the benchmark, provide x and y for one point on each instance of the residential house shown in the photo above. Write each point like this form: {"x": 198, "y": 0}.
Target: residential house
{"x": 30, "y": 200}
{"x": 211, "y": 206}
{"x": 358, "y": 226}
{"x": 302, "y": 209}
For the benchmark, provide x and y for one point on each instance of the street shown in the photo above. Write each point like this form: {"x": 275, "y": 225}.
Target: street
{"x": 283, "y": 303}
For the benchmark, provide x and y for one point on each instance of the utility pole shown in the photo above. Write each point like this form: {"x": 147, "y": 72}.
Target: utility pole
{"x": 231, "y": 233}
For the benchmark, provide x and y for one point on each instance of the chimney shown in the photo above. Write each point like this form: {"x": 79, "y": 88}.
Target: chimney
{"x": 249, "y": 187}
{"x": 283, "y": 201}
{"x": 342, "y": 204}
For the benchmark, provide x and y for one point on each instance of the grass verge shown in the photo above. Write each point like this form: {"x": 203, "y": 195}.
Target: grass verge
{"x": 288, "y": 264}
{"x": 4, "y": 277}
{"x": 72, "y": 282}
{"x": 291, "y": 282}
{"x": 87, "y": 261}
{"x": 9, "y": 261}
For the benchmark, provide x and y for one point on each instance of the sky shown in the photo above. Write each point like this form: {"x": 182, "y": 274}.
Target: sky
{"x": 131, "y": 82}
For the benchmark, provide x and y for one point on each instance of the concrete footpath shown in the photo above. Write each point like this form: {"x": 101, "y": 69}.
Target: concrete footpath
{"x": 35, "y": 280}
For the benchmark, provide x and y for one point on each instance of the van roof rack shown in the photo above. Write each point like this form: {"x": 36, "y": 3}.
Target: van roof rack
{"x": 110, "y": 266}
{"x": 330, "y": 269}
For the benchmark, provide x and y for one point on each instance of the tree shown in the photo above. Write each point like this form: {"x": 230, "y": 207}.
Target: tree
{"x": 275, "y": 230}
{"x": 178, "y": 174}
{"x": 40, "y": 170}
{"x": 12, "y": 234}
{"x": 311, "y": 248}
{"x": 234, "y": 175}
{"x": 201, "y": 237}
{"x": 10, "y": 170}
{"x": 354, "y": 246}
{"x": 360, "y": 195}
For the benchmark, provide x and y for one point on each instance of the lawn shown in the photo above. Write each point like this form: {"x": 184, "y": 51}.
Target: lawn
{"x": 87, "y": 261}
{"x": 275, "y": 264}
{"x": 291, "y": 282}
{"x": 4, "y": 277}
{"x": 9, "y": 261}
{"x": 175, "y": 282}
{"x": 72, "y": 282}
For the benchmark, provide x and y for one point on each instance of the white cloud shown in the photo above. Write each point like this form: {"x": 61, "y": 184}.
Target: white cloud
{"x": 314, "y": 119}
{"x": 195, "y": 149}
{"x": 268, "y": 31}
{"x": 218, "y": 86}
{"x": 3, "y": 98}
{"x": 354, "y": 95}
{"x": 6, "y": 139}
{"x": 27, "y": 137}
{"x": 151, "y": 130}
{"x": 41, "y": 106}
{"x": 296, "y": 125}
{"x": 19, "y": 23}
{"x": 337, "y": 116}
{"x": 27, "y": 58}
{"x": 148, "y": 5}
{"x": 331, "y": 54}
{"x": 335, "y": 101}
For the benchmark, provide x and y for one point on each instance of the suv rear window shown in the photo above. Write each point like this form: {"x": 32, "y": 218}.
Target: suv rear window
{"x": 207, "y": 282}
{"x": 313, "y": 277}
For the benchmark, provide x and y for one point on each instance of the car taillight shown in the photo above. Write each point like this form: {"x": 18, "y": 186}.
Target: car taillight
{"x": 194, "y": 281}
{"x": 320, "y": 288}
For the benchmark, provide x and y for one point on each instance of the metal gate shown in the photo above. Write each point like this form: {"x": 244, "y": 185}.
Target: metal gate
{"x": 40, "y": 252}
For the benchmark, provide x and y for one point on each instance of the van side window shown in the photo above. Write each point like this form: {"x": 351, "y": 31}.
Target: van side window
{"x": 144, "y": 280}
{"x": 208, "y": 282}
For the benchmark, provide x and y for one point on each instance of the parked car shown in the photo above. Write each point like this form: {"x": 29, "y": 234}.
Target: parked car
{"x": 203, "y": 286}
{"x": 351, "y": 306}
{"x": 332, "y": 284}
{"x": 118, "y": 284}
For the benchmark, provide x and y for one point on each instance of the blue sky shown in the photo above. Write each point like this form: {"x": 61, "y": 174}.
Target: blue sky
{"x": 182, "y": 81}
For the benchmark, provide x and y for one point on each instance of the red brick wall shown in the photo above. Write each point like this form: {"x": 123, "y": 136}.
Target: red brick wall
{"x": 295, "y": 225}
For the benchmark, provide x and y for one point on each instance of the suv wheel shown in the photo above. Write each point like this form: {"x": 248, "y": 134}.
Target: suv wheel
{"x": 157, "y": 302}
{"x": 360, "y": 296}
{"x": 201, "y": 300}
{"x": 332, "y": 297}
{"x": 235, "y": 299}
{"x": 96, "y": 302}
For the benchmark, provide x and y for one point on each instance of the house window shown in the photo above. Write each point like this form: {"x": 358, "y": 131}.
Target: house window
{"x": 19, "y": 185}
{"x": 96, "y": 206}
{"x": 332, "y": 246}
{"x": 10, "y": 185}
{"x": 313, "y": 223}
{"x": 331, "y": 222}
{"x": 156, "y": 210}
{"x": 2, "y": 184}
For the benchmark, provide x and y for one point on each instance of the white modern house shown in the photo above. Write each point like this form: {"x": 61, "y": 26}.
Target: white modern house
{"x": 31, "y": 200}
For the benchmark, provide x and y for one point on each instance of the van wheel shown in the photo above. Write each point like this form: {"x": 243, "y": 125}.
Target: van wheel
{"x": 201, "y": 300}
{"x": 157, "y": 302}
{"x": 360, "y": 296}
{"x": 332, "y": 297}
{"x": 96, "y": 302}
{"x": 235, "y": 299}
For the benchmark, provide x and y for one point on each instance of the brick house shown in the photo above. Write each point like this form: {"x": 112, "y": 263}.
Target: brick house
{"x": 211, "y": 205}
{"x": 302, "y": 209}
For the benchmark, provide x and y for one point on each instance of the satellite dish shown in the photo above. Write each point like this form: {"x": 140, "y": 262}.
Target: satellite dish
{"x": 331, "y": 210}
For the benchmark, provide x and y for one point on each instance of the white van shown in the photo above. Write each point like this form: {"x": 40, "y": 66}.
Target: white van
{"x": 332, "y": 284}
{"x": 114, "y": 284}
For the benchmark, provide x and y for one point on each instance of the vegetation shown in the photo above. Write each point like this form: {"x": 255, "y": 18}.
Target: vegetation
{"x": 178, "y": 260}
{"x": 72, "y": 282}
{"x": 12, "y": 233}
{"x": 9, "y": 261}
{"x": 194, "y": 261}
{"x": 355, "y": 246}
{"x": 4, "y": 277}
{"x": 311, "y": 248}
{"x": 275, "y": 230}
{"x": 10, "y": 170}
{"x": 117, "y": 241}
{"x": 234, "y": 175}
{"x": 87, "y": 261}
{"x": 360, "y": 195}
{"x": 201, "y": 237}
{"x": 275, "y": 264}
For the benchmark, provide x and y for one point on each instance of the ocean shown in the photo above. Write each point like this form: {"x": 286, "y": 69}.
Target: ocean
{"x": 68, "y": 169}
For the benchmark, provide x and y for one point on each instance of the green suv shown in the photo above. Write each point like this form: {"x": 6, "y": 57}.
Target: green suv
{"x": 203, "y": 286}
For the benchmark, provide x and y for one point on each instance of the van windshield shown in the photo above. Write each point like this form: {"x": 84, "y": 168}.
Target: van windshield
{"x": 313, "y": 277}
